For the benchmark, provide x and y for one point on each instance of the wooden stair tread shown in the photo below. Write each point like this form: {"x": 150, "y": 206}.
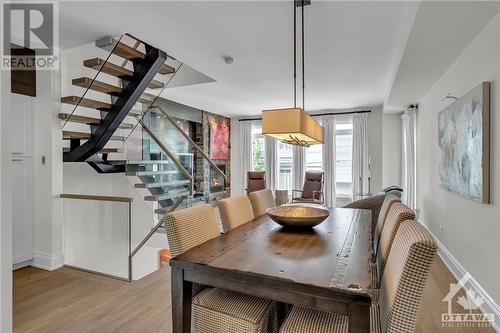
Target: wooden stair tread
{"x": 128, "y": 52}
{"x": 86, "y": 82}
{"x": 85, "y": 136}
{"x": 88, "y": 120}
{"x": 86, "y": 102}
{"x": 117, "y": 71}
{"x": 76, "y": 135}
{"x": 165, "y": 196}
{"x": 162, "y": 184}
{"x": 102, "y": 151}
{"x": 79, "y": 119}
{"x": 142, "y": 162}
{"x": 151, "y": 173}
{"x": 166, "y": 69}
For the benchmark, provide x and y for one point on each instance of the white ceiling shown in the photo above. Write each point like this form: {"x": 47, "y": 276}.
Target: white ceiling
{"x": 440, "y": 32}
{"x": 351, "y": 48}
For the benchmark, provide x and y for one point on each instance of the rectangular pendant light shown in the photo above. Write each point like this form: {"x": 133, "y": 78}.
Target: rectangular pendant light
{"x": 293, "y": 125}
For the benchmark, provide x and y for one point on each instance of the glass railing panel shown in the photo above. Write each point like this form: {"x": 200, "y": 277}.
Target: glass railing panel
{"x": 187, "y": 140}
{"x": 164, "y": 175}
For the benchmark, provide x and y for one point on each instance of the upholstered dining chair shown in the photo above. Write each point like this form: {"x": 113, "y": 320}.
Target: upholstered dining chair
{"x": 400, "y": 295}
{"x": 256, "y": 181}
{"x": 216, "y": 310}
{"x": 379, "y": 205}
{"x": 398, "y": 212}
{"x": 312, "y": 191}
{"x": 235, "y": 211}
{"x": 261, "y": 200}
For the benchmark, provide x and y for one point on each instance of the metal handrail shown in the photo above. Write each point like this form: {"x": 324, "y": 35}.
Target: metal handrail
{"x": 92, "y": 82}
{"x": 186, "y": 136}
{"x": 169, "y": 154}
{"x": 150, "y": 234}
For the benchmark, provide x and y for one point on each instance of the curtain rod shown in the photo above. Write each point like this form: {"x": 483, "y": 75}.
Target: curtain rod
{"x": 316, "y": 115}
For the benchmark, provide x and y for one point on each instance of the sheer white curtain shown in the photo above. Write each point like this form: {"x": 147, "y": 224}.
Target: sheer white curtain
{"x": 245, "y": 152}
{"x": 298, "y": 167}
{"x": 329, "y": 159}
{"x": 408, "y": 172}
{"x": 360, "y": 167}
{"x": 271, "y": 162}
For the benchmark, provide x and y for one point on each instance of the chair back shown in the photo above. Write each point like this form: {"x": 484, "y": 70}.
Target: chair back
{"x": 235, "y": 211}
{"x": 313, "y": 182}
{"x": 407, "y": 271}
{"x": 384, "y": 210}
{"x": 256, "y": 181}
{"x": 190, "y": 227}
{"x": 261, "y": 200}
{"x": 398, "y": 213}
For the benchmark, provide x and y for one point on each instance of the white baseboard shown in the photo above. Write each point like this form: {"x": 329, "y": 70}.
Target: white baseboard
{"x": 458, "y": 272}
{"x": 47, "y": 261}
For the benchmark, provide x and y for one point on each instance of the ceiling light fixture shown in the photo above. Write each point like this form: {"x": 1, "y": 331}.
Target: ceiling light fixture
{"x": 228, "y": 60}
{"x": 294, "y": 125}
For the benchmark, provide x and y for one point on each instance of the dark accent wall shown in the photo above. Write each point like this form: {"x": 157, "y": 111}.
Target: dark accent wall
{"x": 23, "y": 80}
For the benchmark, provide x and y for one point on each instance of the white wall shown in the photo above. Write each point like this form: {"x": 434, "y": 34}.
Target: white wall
{"x": 470, "y": 230}
{"x": 375, "y": 148}
{"x": 236, "y": 181}
{"x": 47, "y": 210}
{"x": 5, "y": 207}
{"x": 391, "y": 149}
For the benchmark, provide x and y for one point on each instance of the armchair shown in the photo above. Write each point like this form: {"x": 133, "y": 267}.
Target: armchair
{"x": 312, "y": 191}
{"x": 256, "y": 181}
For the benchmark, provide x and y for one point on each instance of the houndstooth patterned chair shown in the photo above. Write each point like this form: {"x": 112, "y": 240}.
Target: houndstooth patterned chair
{"x": 261, "y": 200}
{"x": 382, "y": 216}
{"x": 373, "y": 203}
{"x": 215, "y": 310}
{"x": 398, "y": 213}
{"x": 235, "y": 211}
{"x": 402, "y": 288}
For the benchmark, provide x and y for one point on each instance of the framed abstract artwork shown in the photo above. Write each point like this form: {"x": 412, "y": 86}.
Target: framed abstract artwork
{"x": 219, "y": 140}
{"x": 464, "y": 145}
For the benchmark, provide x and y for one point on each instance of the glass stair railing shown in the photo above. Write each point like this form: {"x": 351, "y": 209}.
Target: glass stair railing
{"x": 103, "y": 101}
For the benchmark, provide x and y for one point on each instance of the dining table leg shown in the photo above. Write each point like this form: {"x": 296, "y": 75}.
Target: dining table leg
{"x": 181, "y": 302}
{"x": 359, "y": 318}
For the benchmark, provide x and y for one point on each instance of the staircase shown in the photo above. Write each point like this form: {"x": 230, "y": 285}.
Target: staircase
{"x": 113, "y": 126}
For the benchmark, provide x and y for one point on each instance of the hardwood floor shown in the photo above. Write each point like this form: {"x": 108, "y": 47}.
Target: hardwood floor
{"x": 67, "y": 300}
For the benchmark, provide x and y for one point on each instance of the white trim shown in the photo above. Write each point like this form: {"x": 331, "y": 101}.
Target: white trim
{"x": 47, "y": 261}
{"x": 22, "y": 264}
{"x": 458, "y": 272}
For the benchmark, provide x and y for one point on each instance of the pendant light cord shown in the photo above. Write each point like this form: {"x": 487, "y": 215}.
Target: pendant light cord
{"x": 303, "y": 61}
{"x": 294, "y": 54}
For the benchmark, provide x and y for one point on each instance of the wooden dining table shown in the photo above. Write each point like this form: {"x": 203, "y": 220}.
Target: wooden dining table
{"x": 325, "y": 268}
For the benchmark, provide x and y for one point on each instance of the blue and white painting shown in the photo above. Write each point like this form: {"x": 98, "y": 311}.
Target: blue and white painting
{"x": 461, "y": 135}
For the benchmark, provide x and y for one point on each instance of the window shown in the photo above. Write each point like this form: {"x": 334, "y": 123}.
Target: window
{"x": 343, "y": 163}
{"x": 285, "y": 155}
{"x": 314, "y": 158}
{"x": 258, "y": 148}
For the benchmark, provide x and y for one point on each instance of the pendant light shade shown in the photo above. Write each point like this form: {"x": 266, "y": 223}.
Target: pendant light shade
{"x": 292, "y": 126}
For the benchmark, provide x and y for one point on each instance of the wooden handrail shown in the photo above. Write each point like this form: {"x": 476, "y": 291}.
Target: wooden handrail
{"x": 96, "y": 197}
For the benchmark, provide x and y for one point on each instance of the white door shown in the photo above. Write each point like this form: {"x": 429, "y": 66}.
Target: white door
{"x": 22, "y": 209}
{"x": 22, "y": 180}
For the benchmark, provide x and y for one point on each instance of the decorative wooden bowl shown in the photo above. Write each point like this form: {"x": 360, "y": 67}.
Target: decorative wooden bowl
{"x": 298, "y": 216}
